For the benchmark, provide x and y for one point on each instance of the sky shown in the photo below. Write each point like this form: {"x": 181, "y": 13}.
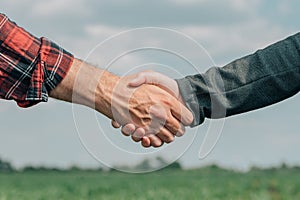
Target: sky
{"x": 204, "y": 32}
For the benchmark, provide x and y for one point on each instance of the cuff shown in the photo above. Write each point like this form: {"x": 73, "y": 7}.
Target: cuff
{"x": 188, "y": 94}
{"x": 51, "y": 66}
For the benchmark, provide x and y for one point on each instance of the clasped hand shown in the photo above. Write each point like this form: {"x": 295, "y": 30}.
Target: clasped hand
{"x": 149, "y": 108}
{"x": 147, "y": 105}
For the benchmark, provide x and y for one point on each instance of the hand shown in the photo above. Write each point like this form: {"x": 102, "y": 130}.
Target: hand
{"x": 152, "y": 109}
{"x": 164, "y": 82}
{"x": 147, "y": 107}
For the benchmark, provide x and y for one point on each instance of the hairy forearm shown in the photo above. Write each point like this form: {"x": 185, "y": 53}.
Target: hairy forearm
{"x": 87, "y": 85}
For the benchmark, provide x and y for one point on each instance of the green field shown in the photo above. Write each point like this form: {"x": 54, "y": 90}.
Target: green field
{"x": 208, "y": 183}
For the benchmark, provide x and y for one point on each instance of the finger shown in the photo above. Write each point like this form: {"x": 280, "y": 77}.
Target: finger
{"x": 146, "y": 142}
{"x": 140, "y": 79}
{"x": 160, "y": 118}
{"x": 128, "y": 129}
{"x": 138, "y": 134}
{"x": 165, "y": 135}
{"x": 155, "y": 78}
{"x": 174, "y": 126}
{"x": 115, "y": 124}
{"x": 149, "y": 77}
{"x": 179, "y": 134}
{"x": 158, "y": 115}
{"x": 181, "y": 113}
{"x": 155, "y": 141}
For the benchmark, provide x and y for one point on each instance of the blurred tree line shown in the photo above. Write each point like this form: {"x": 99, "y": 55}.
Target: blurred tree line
{"x": 144, "y": 165}
{"x": 6, "y": 167}
{"x": 147, "y": 164}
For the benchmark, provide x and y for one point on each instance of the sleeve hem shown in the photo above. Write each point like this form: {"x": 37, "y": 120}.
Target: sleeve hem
{"x": 189, "y": 96}
{"x": 52, "y": 66}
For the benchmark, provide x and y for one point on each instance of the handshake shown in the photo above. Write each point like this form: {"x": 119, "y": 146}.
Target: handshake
{"x": 147, "y": 105}
{"x": 150, "y": 108}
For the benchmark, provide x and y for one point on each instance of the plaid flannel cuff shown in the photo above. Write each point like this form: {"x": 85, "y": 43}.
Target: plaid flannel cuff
{"x": 49, "y": 69}
{"x": 29, "y": 67}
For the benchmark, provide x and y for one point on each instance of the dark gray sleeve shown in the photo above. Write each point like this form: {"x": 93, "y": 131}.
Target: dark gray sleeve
{"x": 255, "y": 81}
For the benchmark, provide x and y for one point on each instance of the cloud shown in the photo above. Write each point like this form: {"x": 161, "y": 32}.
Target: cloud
{"x": 221, "y": 41}
{"x": 44, "y": 8}
{"x": 100, "y": 30}
{"x": 241, "y": 5}
{"x": 137, "y": 13}
{"x": 284, "y": 7}
{"x": 227, "y": 40}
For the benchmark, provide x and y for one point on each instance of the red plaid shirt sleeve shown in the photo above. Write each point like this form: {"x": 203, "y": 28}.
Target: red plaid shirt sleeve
{"x": 29, "y": 67}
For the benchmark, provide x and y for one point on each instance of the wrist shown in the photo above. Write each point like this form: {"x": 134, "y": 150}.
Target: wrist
{"x": 87, "y": 85}
{"x": 104, "y": 92}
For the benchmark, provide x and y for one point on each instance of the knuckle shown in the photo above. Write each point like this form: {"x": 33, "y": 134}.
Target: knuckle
{"x": 124, "y": 133}
{"x": 135, "y": 139}
{"x": 144, "y": 74}
{"x": 158, "y": 144}
{"x": 155, "y": 142}
{"x": 179, "y": 134}
{"x": 128, "y": 129}
{"x": 169, "y": 139}
{"x": 181, "y": 131}
{"x": 146, "y": 146}
{"x": 173, "y": 127}
{"x": 190, "y": 119}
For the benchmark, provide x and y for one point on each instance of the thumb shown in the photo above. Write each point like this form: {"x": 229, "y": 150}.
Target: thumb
{"x": 140, "y": 79}
{"x": 147, "y": 77}
{"x": 158, "y": 79}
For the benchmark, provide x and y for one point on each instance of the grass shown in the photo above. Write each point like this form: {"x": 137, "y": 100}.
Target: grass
{"x": 207, "y": 183}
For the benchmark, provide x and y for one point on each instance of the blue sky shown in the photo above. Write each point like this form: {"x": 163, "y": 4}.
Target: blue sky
{"x": 229, "y": 29}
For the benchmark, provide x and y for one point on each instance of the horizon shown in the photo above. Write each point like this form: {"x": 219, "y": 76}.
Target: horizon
{"x": 227, "y": 30}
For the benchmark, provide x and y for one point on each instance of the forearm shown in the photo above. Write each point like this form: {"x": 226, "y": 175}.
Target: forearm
{"x": 261, "y": 79}
{"x": 87, "y": 85}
